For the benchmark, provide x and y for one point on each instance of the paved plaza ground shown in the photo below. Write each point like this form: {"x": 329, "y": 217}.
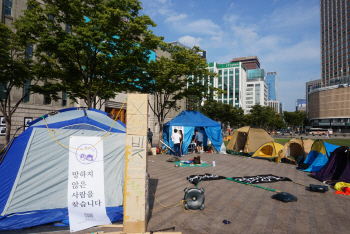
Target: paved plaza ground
{"x": 250, "y": 210}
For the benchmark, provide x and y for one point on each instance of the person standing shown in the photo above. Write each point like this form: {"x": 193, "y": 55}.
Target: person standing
{"x": 181, "y": 140}
{"x": 175, "y": 137}
{"x": 199, "y": 140}
{"x": 149, "y": 136}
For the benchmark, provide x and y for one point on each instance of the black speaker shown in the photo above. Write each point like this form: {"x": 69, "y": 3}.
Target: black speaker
{"x": 285, "y": 197}
{"x": 318, "y": 188}
{"x": 194, "y": 198}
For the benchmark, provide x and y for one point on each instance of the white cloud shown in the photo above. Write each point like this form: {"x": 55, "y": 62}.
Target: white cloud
{"x": 294, "y": 14}
{"x": 304, "y": 51}
{"x": 158, "y": 7}
{"x": 201, "y": 26}
{"x": 176, "y": 18}
{"x": 284, "y": 39}
{"x": 190, "y": 41}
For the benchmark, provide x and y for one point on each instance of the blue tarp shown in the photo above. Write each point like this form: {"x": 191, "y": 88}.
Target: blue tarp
{"x": 191, "y": 120}
{"x": 316, "y": 159}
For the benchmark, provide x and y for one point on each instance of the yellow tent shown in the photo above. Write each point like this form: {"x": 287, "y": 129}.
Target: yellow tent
{"x": 248, "y": 139}
{"x": 268, "y": 150}
{"x": 296, "y": 148}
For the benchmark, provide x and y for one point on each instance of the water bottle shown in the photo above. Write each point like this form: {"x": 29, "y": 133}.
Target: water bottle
{"x": 213, "y": 164}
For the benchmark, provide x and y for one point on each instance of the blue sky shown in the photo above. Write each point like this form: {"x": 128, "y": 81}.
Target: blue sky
{"x": 284, "y": 34}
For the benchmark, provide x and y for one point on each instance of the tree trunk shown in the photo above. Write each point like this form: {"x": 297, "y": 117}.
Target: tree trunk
{"x": 8, "y": 130}
{"x": 160, "y": 134}
{"x": 88, "y": 99}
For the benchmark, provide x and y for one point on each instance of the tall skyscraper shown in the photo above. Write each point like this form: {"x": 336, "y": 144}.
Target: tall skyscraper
{"x": 272, "y": 82}
{"x": 335, "y": 42}
{"x": 250, "y": 62}
{"x": 328, "y": 105}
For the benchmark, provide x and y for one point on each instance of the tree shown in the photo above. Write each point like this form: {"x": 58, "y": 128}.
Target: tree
{"x": 92, "y": 49}
{"x": 170, "y": 80}
{"x": 224, "y": 113}
{"x": 260, "y": 115}
{"x": 276, "y": 122}
{"x": 294, "y": 119}
{"x": 16, "y": 72}
{"x": 264, "y": 117}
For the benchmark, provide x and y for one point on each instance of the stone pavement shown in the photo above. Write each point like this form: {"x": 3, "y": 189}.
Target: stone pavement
{"x": 250, "y": 210}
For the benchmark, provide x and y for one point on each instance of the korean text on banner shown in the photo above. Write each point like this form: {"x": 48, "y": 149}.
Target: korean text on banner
{"x": 86, "y": 197}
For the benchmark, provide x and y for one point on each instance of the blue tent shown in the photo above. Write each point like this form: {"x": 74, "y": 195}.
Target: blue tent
{"x": 190, "y": 120}
{"x": 319, "y": 155}
{"x": 34, "y": 169}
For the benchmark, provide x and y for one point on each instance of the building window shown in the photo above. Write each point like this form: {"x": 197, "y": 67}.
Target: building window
{"x": 3, "y": 91}
{"x": 47, "y": 100}
{"x": 25, "y": 90}
{"x": 64, "y": 99}
{"x": 8, "y": 7}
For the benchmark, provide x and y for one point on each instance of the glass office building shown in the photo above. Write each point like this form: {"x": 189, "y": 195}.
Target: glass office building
{"x": 231, "y": 78}
{"x": 272, "y": 82}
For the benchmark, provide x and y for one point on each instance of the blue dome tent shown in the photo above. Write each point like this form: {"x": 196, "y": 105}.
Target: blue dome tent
{"x": 34, "y": 170}
{"x": 318, "y": 156}
{"x": 190, "y": 120}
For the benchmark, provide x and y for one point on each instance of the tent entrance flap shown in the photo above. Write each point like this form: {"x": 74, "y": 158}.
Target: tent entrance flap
{"x": 266, "y": 151}
{"x": 295, "y": 150}
{"x": 241, "y": 141}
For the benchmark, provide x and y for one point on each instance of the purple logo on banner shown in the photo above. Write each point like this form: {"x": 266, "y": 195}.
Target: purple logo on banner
{"x": 86, "y": 154}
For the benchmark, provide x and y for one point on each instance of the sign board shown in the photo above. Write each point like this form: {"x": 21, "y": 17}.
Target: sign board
{"x": 86, "y": 197}
{"x": 136, "y": 176}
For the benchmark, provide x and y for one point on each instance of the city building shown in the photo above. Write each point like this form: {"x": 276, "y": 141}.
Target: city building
{"x": 232, "y": 79}
{"x": 203, "y": 53}
{"x": 251, "y": 62}
{"x": 256, "y": 91}
{"x": 281, "y": 107}
{"x": 300, "y": 105}
{"x": 329, "y": 104}
{"x": 176, "y": 43}
{"x": 244, "y": 88}
{"x": 272, "y": 83}
{"x": 275, "y": 105}
{"x": 312, "y": 84}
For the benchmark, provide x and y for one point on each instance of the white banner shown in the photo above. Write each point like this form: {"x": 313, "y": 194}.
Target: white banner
{"x": 86, "y": 194}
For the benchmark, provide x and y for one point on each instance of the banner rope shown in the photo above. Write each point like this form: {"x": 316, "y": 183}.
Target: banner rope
{"x": 53, "y": 137}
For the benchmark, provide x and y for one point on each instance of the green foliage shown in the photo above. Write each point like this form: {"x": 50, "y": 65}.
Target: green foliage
{"x": 224, "y": 113}
{"x": 293, "y": 119}
{"x": 98, "y": 56}
{"x": 264, "y": 117}
{"x": 16, "y": 69}
{"x": 170, "y": 79}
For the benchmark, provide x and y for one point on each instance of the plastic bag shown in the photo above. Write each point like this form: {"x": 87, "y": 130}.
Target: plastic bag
{"x": 223, "y": 149}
